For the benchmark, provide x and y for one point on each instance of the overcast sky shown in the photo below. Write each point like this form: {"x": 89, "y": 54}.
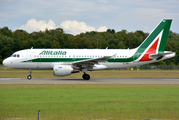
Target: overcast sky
{"x": 76, "y": 16}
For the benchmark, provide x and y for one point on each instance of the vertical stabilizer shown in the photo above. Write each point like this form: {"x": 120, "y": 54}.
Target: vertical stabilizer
{"x": 155, "y": 42}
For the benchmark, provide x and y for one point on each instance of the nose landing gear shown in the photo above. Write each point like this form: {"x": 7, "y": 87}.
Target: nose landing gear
{"x": 29, "y": 76}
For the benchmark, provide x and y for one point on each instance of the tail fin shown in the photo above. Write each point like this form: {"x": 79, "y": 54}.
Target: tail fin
{"x": 155, "y": 43}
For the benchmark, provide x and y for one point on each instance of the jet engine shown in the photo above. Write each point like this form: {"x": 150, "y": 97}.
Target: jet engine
{"x": 63, "y": 70}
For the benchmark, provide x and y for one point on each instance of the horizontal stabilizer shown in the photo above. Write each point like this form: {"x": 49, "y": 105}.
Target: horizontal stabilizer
{"x": 160, "y": 56}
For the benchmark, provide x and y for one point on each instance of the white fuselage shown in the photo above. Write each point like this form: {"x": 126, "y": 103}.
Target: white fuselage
{"x": 32, "y": 59}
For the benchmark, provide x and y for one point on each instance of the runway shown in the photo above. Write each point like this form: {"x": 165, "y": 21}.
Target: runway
{"x": 63, "y": 80}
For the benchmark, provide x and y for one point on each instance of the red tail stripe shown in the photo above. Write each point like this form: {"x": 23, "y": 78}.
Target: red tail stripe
{"x": 151, "y": 50}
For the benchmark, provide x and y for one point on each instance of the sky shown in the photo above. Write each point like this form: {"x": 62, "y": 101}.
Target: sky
{"x": 79, "y": 16}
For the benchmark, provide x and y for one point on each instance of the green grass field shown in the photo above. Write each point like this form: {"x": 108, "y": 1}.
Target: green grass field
{"x": 89, "y": 102}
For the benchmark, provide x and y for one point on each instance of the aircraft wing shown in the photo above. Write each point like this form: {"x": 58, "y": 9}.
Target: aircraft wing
{"x": 91, "y": 61}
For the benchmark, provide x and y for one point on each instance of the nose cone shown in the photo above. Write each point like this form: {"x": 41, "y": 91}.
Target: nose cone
{"x": 5, "y": 62}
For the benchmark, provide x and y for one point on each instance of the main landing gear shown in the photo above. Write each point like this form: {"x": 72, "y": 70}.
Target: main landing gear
{"x": 29, "y": 76}
{"x": 86, "y": 76}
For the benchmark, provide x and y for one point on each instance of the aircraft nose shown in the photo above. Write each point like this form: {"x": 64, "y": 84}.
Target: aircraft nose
{"x": 5, "y": 62}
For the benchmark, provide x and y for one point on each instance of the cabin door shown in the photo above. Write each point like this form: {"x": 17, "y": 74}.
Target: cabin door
{"x": 29, "y": 56}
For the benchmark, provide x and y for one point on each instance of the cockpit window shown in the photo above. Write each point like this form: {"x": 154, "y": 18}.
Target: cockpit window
{"x": 15, "y": 55}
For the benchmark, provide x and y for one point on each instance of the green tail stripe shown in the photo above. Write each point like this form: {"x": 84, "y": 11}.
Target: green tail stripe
{"x": 165, "y": 36}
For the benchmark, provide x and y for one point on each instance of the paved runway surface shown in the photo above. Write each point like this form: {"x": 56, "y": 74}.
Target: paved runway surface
{"x": 91, "y": 81}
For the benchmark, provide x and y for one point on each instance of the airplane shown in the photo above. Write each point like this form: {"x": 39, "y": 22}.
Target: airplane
{"x": 64, "y": 62}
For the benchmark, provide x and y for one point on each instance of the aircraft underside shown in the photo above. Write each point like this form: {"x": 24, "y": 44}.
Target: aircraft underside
{"x": 73, "y": 69}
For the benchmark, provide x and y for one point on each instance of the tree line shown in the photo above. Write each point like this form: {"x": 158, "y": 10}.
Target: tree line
{"x": 12, "y": 41}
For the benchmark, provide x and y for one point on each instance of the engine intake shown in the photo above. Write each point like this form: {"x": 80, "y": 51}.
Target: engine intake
{"x": 62, "y": 70}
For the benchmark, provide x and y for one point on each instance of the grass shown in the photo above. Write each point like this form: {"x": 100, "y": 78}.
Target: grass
{"x": 89, "y": 102}
{"x": 14, "y": 73}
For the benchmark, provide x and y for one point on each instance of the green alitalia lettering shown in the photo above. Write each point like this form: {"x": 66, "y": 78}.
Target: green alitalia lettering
{"x": 49, "y": 52}
{"x": 53, "y": 52}
{"x": 41, "y": 53}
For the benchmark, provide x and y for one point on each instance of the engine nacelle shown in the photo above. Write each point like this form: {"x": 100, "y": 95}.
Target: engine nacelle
{"x": 62, "y": 70}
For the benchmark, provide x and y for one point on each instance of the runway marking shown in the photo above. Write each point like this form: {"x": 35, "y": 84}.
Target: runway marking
{"x": 10, "y": 78}
{"x": 170, "y": 79}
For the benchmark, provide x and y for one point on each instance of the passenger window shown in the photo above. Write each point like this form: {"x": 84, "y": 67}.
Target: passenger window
{"x": 17, "y": 55}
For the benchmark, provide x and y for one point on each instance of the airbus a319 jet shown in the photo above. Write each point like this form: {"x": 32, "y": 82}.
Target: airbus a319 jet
{"x": 64, "y": 62}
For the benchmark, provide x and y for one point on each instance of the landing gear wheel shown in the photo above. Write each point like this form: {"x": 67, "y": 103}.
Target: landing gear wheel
{"x": 29, "y": 77}
{"x": 86, "y": 76}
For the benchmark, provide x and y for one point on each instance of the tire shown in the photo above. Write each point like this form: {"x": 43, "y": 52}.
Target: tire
{"x": 29, "y": 77}
{"x": 86, "y": 76}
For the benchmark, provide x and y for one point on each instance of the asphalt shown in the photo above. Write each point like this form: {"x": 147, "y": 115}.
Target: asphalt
{"x": 63, "y": 80}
